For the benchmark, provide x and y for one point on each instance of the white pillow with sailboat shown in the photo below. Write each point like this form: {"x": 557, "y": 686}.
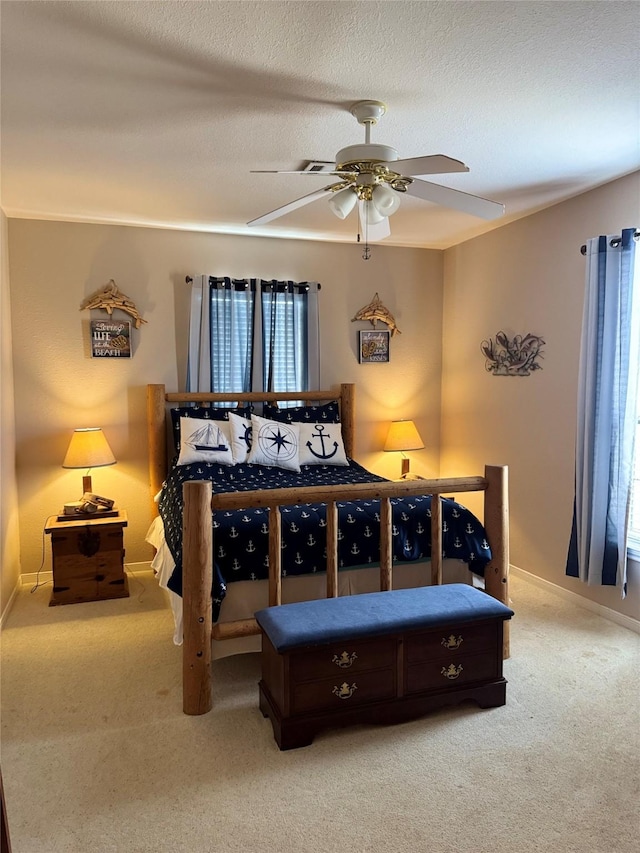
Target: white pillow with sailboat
{"x": 205, "y": 441}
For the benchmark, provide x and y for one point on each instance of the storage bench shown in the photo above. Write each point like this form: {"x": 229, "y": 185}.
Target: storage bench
{"x": 380, "y": 657}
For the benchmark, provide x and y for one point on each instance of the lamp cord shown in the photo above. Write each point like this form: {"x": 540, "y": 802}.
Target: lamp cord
{"x": 37, "y": 583}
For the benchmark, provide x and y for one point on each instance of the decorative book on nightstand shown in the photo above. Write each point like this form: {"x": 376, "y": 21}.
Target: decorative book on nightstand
{"x": 88, "y": 559}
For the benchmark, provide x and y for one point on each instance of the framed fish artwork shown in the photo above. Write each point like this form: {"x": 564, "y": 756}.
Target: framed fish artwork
{"x": 374, "y": 346}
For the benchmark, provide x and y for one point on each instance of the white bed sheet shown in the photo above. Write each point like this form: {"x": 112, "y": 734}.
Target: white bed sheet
{"x": 243, "y": 598}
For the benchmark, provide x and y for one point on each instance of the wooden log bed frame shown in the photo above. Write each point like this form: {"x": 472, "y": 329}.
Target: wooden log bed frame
{"x": 197, "y": 564}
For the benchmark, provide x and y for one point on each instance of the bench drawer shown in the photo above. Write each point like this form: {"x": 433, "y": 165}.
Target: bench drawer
{"x": 454, "y": 641}
{"x": 345, "y": 658}
{"x": 343, "y": 691}
{"x": 450, "y": 671}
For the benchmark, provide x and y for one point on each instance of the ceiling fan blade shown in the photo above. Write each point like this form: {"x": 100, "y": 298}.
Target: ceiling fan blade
{"x": 435, "y": 164}
{"x": 374, "y": 232}
{"x": 292, "y": 205}
{"x": 338, "y": 173}
{"x": 379, "y": 231}
{"x": 289, "y": 172}
{"x": 447, "y": 197}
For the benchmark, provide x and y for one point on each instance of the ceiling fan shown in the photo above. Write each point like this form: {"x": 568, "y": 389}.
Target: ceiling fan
{"x": 373, "y": 177}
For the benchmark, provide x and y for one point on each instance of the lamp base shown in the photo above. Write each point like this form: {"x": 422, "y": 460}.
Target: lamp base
{"x": 405, "y": 466}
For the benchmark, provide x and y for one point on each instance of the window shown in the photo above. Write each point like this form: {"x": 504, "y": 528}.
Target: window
{"x": 253, "y": 335}
{"x": 284, "y": 336}
{"x": 634, "y": 525}
{"x": 634, "y": 510}
{"x": 231, "y": 312}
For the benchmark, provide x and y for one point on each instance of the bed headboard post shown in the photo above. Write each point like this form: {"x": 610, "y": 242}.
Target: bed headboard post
{"x": 157, "y": 434}
{"x": 348, "y": 417}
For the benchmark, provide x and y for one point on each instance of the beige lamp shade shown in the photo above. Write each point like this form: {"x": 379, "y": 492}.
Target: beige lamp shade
{"x": 88, "y": 448}
{"x": 403, "y": 435}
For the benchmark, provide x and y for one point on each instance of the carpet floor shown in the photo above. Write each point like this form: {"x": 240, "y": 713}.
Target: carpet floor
{"x": 97, "y": 755}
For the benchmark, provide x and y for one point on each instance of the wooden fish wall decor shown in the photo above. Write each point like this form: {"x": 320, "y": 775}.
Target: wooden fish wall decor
{"x": 375, "y": 312}
{"x": 109, "y": 298}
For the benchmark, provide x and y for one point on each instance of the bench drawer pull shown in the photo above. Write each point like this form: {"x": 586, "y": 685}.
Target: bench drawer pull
{"x": 451, "y": 671}
{"x": 345, "y": 660}
{"x": 451, "y": 642}
{"x": 344, "y": 691}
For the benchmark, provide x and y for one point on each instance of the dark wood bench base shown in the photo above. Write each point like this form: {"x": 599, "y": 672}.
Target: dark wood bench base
{"x": 378, "y": 658}
{"x": 292, "y": 733}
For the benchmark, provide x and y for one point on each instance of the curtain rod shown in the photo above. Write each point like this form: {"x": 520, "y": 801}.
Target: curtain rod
{"x": 189, "y": 280}
{"x": 614, "y": 242}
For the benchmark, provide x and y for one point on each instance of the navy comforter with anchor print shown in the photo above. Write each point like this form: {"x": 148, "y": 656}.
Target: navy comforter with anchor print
{"x": 241, "y": 540}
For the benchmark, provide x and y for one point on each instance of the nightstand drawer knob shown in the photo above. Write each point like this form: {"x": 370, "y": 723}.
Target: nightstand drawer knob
{"x": 345, "y": 660}
{"x": 344, "y": 691}
{"x": 451, "y": 642}
{"x": 451, "y": 671}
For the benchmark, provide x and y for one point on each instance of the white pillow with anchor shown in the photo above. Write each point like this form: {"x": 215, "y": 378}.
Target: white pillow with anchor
{"x": 321, "y": 444}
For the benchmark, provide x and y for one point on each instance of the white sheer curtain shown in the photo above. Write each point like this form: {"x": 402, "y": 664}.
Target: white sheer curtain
{"x": 248, "y": 334}
{"x": 607, "y": 411}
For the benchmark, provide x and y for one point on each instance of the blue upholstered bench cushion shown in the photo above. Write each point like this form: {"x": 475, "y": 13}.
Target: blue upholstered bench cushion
{"x": 327, "y": 620}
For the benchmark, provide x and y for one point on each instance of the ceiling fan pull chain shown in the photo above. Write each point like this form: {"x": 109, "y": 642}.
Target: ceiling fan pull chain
{"x": 366, "y": 252}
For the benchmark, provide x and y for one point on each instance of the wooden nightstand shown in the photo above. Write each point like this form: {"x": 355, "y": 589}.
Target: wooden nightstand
{"x": 88, "y": 559}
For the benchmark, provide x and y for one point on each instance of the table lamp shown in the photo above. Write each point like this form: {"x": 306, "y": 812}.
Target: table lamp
{"x": 402, "y": 436}
{"x": 88, "y": 449}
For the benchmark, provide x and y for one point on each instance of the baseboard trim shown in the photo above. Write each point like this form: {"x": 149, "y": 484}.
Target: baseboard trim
{"x": 7, "y": 609}
{"x": 33, "y": 578}
{"x": 606, "y": 612}
{"x": 629, "y": 622}
{"x": 138, "y": 568}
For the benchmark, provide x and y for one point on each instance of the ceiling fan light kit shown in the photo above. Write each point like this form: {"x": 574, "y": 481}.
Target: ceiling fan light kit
{"x": 343, "y": 202}
{"x": 385, "y": 199}
{"x": 372, "y": 175}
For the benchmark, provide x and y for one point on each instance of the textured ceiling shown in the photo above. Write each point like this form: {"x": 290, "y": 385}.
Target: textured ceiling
{"x": 155, "y": 113}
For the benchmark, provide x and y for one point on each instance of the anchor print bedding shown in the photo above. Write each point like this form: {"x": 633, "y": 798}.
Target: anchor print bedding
{"x": 241, "y": 536}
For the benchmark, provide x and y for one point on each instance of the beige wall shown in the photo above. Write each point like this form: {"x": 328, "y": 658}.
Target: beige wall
{"x": 58, "y": 386}
{"x": 527, "y": 277}
{"x": 9, "y": 528}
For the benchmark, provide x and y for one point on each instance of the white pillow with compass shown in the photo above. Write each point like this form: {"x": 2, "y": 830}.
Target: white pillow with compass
{"x": 321, "y": 444}
{"x": 274, "y": 444}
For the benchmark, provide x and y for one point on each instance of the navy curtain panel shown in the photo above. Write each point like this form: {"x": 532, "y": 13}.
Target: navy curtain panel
{"x": 607, "y": 411}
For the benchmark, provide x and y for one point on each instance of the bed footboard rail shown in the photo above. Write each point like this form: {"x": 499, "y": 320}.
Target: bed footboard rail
{"x": 198, "y": 553}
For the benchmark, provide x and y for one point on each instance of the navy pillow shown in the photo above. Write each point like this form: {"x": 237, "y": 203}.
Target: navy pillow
{"x": 327, "y": 412}
{"x": 205, "y": 413}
